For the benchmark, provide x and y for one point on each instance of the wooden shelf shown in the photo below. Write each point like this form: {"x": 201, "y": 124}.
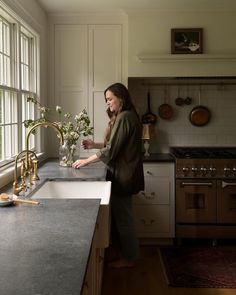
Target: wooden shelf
{"x": 186, "y": 58}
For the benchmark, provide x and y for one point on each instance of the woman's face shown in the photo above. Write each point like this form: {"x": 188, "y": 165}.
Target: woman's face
{"x": 113, "y": 102}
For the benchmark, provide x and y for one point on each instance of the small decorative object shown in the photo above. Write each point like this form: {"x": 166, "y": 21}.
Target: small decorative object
{"x": 146, "y": 136}
{"x": 71, "y": 129}
{"x": 186, "y": 41}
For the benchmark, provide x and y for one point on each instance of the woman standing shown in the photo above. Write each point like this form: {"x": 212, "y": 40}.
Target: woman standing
{"x": 122, "y": 154}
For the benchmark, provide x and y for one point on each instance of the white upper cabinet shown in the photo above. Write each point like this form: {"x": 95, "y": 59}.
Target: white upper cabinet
{"x": 85, "y": 59}
{"x": 105, "y": 55}
{"x": 105, "y": 68}
{"x": 71, "y": 66}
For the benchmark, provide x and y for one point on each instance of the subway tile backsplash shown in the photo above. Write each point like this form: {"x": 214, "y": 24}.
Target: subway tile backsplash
{"x": 219, "y": 98}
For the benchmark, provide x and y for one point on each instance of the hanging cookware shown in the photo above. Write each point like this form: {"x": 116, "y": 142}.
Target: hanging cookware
{"x": 200, "y": 115}
{"x": 149, "y": 117}
{"x": 188, "y": 100}
{"x": 179, "y": 101}
{"x": 165, "y": 110}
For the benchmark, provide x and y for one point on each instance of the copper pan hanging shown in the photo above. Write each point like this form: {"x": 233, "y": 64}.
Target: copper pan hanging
{"x": 165, "y": 110}
{"x": 200, "y": 115}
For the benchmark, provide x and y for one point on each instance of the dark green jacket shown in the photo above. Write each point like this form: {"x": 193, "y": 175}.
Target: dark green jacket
{"x": 123, "y": 153}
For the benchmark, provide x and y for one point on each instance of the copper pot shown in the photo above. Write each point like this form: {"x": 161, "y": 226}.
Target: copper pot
{"x": 200, "y": 115}
{"x": 165, "y": 111}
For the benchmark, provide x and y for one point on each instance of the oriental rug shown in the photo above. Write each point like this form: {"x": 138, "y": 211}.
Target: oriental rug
{"x": 199, "y": 267}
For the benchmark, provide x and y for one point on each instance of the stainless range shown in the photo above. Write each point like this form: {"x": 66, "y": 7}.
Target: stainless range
{"x": 205, "y": 192}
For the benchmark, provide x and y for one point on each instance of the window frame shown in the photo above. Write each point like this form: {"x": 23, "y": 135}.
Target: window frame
{"x": 19, "y": 28}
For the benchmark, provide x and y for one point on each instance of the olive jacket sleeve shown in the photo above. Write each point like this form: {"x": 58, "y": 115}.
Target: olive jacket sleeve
{"x": 123, "y": 153}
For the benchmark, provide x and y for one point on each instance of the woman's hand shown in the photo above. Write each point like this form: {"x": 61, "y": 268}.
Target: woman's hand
{"x": 88, "y": 144}
{"x": 80, "y": 163}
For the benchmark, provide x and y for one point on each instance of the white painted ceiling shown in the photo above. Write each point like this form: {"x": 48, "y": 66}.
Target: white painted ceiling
{"x": 76, "y": 6}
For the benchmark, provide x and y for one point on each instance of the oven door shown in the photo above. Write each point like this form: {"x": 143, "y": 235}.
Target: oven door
{"x": 195, "y": 201}
{"x": 226, "y": 201}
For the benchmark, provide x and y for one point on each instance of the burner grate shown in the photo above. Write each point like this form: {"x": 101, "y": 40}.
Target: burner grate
{"x": 204, "y": 153}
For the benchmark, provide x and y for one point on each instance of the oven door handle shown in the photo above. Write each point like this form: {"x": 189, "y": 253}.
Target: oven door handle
{"x": 197, "y": 183}
{"x": 224, "y": 184}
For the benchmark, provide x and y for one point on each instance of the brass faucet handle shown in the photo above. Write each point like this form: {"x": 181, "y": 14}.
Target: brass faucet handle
{"x": 16, "y": 188}
{"x": 23, "y": 171}
{"x": 35, "y": 170}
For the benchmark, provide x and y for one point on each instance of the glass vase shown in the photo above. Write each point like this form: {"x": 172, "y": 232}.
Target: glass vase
{"x": 66, "y": 155}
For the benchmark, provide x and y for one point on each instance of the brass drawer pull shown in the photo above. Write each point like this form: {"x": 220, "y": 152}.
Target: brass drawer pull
{"x": 149, "y": 173}
{"x": 147, "y": 222}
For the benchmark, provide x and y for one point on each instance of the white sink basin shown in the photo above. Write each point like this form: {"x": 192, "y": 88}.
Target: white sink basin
{"x": 60, "y": 189}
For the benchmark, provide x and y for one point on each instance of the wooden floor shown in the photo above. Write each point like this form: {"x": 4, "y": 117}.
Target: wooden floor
{"x": 147, "y": 278}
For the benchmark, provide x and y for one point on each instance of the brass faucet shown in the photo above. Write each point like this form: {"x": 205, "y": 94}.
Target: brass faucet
{"x": 29, "y": 166}
{"x": 31, "y": 171}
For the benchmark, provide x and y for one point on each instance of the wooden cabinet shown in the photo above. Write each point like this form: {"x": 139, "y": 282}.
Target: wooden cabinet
{"x": 93, "y": 279}
{"x": 154, "y": 207}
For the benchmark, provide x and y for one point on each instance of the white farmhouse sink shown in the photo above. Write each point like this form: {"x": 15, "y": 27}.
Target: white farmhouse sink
{"x": 63, "y": 189}
{"x": 60, "y": 189}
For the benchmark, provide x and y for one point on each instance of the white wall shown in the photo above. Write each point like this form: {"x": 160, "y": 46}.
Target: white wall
{"x": 149, "y": 34}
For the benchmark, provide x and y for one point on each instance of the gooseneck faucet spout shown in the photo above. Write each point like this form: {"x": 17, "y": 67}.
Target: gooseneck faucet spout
{"x": 29, "y": 166}
{"x": 45, "y": 124}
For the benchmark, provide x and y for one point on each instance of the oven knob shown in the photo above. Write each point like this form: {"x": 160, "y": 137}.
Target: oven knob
{"x": 212, "y": 171}
{"x": 194, "y": 170}
{"x": 185, "y": 170}
{"x": 203, "y": 171}
{"x": 227, "y": 171}
{"x": 234, "y": 171}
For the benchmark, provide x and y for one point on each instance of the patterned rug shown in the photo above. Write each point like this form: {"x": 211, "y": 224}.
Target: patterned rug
{"x": 199, "y": 267}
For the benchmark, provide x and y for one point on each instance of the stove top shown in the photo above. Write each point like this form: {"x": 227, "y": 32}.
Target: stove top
{"x": 204, "y": 152}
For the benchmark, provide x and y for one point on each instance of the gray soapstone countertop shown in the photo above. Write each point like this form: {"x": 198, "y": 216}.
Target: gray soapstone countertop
{"x": 44, "y": 249}
{"x": 51, "y": 169}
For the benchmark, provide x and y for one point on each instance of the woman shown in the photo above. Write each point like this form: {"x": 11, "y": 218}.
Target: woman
{"x": 122, "y": 154}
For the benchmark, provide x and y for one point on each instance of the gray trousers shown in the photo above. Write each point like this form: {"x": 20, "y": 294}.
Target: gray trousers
{"x": 123, "y": 232}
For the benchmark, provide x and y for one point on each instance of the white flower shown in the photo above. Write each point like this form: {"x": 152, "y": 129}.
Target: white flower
{"x": 71, "y": 130}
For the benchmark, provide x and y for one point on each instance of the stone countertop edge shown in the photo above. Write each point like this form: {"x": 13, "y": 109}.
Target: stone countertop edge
{"x": 46, "y": 247}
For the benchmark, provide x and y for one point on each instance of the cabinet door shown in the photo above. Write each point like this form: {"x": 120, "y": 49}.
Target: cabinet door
{"x": 153, "y": 220}
{"x": 71, "y": 69}
{"x": 157, "y": 191}
{"x": 105, "y": 68}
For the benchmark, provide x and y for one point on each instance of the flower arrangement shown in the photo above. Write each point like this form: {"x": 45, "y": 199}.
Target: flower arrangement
{"x": 71, "y": 129}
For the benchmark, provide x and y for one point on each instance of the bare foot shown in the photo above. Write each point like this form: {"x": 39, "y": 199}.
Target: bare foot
{"x": 121, "y": 263}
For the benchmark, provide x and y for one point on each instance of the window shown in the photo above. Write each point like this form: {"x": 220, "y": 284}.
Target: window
{"x": 18, "y": 80}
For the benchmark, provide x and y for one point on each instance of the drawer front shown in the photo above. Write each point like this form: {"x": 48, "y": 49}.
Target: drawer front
{"x": 160, "y": 170}
{"x": 157, "y": 191}
{"x": 152, "y": 219}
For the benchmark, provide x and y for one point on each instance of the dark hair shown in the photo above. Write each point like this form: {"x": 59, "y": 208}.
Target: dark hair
{"x": 120, "y": 91}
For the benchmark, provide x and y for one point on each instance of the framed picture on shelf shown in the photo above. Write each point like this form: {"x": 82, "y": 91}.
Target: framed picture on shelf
{"x": 186, "y": 41}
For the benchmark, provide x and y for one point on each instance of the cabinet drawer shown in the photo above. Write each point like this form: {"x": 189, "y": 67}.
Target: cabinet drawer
{"x": 159, "y": 170}
{"x": 152, "y": 219}
{"x": 157, "y": 191}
